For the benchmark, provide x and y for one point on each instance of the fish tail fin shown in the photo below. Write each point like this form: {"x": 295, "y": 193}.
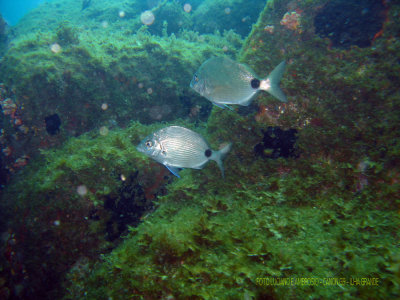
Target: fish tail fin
{"x": 218, "y": 156}
{"x": 273, "y": 80}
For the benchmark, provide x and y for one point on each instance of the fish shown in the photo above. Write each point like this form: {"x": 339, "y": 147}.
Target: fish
{"x": 224, "y": 81}
{"x": 178, "y": 147}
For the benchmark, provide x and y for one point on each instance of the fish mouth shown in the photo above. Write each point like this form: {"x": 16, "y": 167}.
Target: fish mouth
{"x": 140, "y": 148}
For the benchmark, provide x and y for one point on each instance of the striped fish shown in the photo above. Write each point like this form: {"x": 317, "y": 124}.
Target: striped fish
{"x": 224, "y": 81}
{"x": 178, "y": 147}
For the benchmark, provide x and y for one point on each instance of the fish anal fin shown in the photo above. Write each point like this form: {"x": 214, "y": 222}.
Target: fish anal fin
{"x": 173, "y": 170}
{"x": 223, "y": 106}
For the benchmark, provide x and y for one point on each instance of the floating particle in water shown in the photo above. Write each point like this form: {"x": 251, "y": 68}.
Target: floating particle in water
{"x": 149, "y": 91}
{"x": 81, "y": 190}
{"x": 123, "y": 178}
{"x": 158, "y": 112}
{"x": 227, "y": 10}
{"x": 104, "y": 106}
{"x": 55, "y": 48}
{"x": 147, "y": 17}
{"x": 187, "y": 8}
{"x": 57, "y": 222}
{"x": 225, "y": 48}
{"x": 103, "y": 130}
{"x": 140, "y": 85}
{"x": 104, "y": 24}
{"x": 121, "y": 14}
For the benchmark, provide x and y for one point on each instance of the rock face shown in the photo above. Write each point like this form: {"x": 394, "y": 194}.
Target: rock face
{"x": 239, "y": 15}
{"x": 3, "y": 35}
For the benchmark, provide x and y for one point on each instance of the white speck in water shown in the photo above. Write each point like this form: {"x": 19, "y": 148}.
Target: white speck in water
{"x": 103, "y": 130}
{"x": 57, "y": 223}
{"x": 104, "y": 24}
{"x": 104, "y": 106}
{"x": 121, "y": 14}
{"x": 55, "y": 48}
{"x": 187, "y": 8}
{"x": 147, "y": 17}
{"x": 81, "y": 190}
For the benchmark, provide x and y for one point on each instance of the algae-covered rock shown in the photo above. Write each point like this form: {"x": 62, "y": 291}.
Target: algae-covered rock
{"x": 238, "y": 15}
{"x": 73, "y": 205}
{"x": 321, "y": 225}
{"x": 3, "y": 34}
{"x": 106, "y": 79}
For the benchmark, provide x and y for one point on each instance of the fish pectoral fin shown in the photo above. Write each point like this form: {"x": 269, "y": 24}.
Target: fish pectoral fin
{"x": 219, "y": 105}
{"x": 174, "y": 170}
{"x": 222, "y": 106}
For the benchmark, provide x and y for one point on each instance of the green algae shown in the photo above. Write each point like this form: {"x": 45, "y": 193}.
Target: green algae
{"x": 219, "y": 242}
{"x": 131, "y": 72}
{"x": 305, "y": 218}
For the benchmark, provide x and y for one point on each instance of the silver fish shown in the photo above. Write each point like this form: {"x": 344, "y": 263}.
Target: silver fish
{"x": 178, "y": 147}
{"x": 224, "y": 81}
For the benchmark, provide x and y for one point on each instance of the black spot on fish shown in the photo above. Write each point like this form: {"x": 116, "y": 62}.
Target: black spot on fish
{"x": 255, "y": 83}
{"x": 208, "y": 153}
{"x": 53, "y": 123}
{"x": 277, "y": 143}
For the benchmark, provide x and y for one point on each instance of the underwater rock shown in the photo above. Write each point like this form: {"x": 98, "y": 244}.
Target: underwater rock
{"x": 346, "y": 23}
{"x": 277, "y": 143}
{"x": 53, "y": 123}
{"x": 127, "y": 208}
{"x": 3, "y": 33}
{"x": 238, "y": 15}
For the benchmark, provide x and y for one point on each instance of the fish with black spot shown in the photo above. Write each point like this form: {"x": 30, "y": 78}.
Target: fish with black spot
{"x": 177, "y": 147}
{"x": 224, "y": 81}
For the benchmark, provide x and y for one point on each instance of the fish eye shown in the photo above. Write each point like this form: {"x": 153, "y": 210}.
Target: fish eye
{"x": 148, "y": 144}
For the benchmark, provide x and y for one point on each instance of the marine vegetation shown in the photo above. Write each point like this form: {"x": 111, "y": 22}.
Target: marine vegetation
{"x": 308, "y": 208}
